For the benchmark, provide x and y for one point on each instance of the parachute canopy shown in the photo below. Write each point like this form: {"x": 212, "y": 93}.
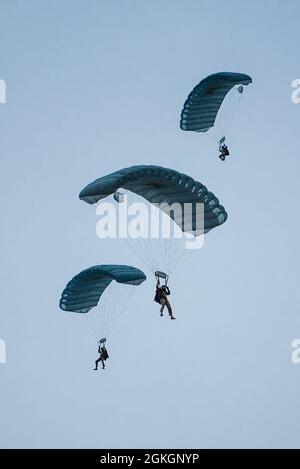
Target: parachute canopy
{"x": 203, "y": 103}
{"x": 83, "y": 292}
{"x": 162, "y": 186}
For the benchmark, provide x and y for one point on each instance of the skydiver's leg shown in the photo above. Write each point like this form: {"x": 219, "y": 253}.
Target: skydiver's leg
{"x": 96, "y": 363}
{"x": 103, "y": 364}
{"x": 163, "y": 304}
{"x": 169, "y": 307}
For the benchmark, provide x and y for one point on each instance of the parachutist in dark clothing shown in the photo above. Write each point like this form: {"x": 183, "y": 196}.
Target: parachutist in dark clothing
{"x": 223, "y": 149}
{"x": 102, "y": 357}
{"x": 161, "y": 297}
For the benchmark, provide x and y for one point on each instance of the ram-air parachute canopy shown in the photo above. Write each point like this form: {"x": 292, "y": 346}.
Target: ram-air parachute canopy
{"x": 83, "y": 292}
{"x": 203, "y": 103}
{"x": 108, "y": 287}
{"x": 162, "y": 186}
{"x": 165, "y": 235}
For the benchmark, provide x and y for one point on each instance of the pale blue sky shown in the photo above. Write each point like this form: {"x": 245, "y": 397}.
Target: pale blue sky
{"x": 96, "y": 86}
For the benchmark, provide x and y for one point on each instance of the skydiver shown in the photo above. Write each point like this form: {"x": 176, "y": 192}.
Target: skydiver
{"x": 103, "y": 356}
{"x": 161, "y": 297}
{"x": 223, "y": 149}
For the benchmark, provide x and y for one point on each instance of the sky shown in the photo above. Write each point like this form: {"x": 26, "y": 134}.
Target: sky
{"x": 96, "y": 86}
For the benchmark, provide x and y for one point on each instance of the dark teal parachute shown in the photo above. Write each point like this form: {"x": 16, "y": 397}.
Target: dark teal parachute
{"x": 84, "y": 291}
{"x": 162, "y": 185}
{"x": 203, "y": 103}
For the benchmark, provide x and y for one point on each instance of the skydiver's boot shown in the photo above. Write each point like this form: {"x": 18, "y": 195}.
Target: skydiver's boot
{"x": 172, "y": 317}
